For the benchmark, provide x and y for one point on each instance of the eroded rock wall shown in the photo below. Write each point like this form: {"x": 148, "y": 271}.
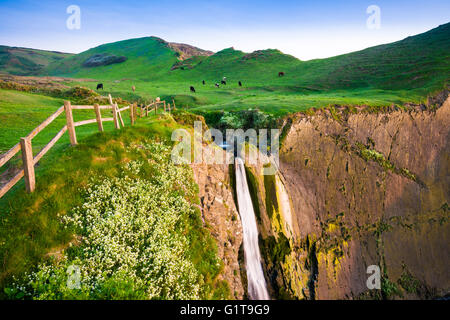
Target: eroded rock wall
{"x": 364, "y": 189}
{"x": 221, "y": 217}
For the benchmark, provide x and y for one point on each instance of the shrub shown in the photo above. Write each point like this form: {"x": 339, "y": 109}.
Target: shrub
{"x": 135, "y": 235}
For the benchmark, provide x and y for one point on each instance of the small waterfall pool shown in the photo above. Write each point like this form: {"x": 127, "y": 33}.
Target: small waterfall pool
{"x": 257, "y": 287}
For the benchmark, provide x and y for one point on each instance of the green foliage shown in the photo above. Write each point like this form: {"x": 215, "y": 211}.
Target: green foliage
{"x": 271, "y": 195}
{"x": 32, "y": 225}
{"x": 382, "y": 227}
{"x": 389, "y": 289}
{"x": 372, "y": 155}
{"x": 276, "y": 250}
{"x": 408, "y": 282}
{"x": 253, "y": 189}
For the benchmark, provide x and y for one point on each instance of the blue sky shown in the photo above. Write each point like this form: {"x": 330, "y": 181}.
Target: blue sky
{"x": 305, "y": 29}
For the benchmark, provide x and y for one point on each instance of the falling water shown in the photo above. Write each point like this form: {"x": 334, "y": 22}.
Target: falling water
{"x": 257, "y": 288}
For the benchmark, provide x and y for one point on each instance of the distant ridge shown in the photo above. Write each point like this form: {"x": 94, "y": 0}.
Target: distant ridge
{"x": 420, "y": 61}
{"x": 26, "y": 61}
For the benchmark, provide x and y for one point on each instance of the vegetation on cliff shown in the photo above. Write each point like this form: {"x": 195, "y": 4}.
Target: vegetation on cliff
{"x": 117, "y": 208}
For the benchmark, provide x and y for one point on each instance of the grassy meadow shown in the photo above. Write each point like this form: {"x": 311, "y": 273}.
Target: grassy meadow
{"x": 37, "y": 243}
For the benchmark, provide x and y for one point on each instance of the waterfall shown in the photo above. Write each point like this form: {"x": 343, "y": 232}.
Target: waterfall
{"x": 257, "y": 288}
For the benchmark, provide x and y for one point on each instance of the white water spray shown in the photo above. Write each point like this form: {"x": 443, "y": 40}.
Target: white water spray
{"x": 257, "y": 288}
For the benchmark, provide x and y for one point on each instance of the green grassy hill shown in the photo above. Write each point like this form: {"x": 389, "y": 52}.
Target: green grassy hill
{"x": 146, "y": 58}
{"x": 256, "y": 67}
{"x": 418, "y": 61}
{"x": 23, "y": 61}
{"x": 405, "y": 71}
{"x": 421, "y": 61}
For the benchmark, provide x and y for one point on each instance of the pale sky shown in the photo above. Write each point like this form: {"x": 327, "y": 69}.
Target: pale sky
{"x": 305, "y": 29}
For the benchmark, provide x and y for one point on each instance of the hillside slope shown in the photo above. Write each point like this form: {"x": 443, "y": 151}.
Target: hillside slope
{"x": 421, "y": 61}
{"x": 258, "y": 66}
{"x": 147, "y": 58}
{"x": 418, "y": 61}
{"x": 24, "y": 61}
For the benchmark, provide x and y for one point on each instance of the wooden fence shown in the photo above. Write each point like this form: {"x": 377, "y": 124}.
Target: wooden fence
{"x": 25, "y": 144}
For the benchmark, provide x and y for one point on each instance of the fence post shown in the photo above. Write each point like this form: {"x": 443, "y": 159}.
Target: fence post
{"x": 132, "y": 113}
{"x": 164, "y": 105}
{"x": 116, "y": 120}
{"x": 70, "y": 125}
{"x": 120, "y": 116}
{"x": 28, "y": 165}
{"x": 156, "y": 107}
{"x": 98, "y": 116}
{"x": 168, "y": 106}
{"x": 174, "y": 106}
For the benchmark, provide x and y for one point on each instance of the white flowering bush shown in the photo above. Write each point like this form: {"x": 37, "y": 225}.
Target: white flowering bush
{"x": 135, "y": 237}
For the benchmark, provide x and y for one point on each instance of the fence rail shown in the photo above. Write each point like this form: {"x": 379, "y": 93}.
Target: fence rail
{"x": 25, "y": 144}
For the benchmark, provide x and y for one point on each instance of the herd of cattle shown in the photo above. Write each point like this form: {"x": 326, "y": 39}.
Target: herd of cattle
{"x": 217, "y": 85}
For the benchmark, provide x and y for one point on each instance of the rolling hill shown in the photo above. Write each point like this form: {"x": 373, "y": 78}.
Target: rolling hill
{"x": 418, "y": 61}
{"x": 145, "y": 58}
{"x": 23, "y": 61}
{"x": 421, "y": 61}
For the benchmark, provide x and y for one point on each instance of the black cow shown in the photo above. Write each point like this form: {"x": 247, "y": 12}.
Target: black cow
{"x": 217, "y": 85}
{"x": 100, "y": 86}
{"x": 223, "y": 82}
{"x": 192, "y": 89}
{"x": 240, "y": 84}
{"x": 203, "y": 82}
{"x": 281, "y": 74}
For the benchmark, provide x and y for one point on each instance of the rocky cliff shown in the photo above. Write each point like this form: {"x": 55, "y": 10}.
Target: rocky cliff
{"x": 358, "y": 187}
{"x": 220, "y": 216}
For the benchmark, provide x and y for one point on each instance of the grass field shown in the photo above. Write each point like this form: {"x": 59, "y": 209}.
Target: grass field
{"x": 276, "y": 100}
{"x": 21, "y": 112}
{"x": 395, "y": 73}
{"x": 31, "y": 227}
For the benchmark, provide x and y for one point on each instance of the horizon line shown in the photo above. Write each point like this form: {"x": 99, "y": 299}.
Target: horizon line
{"x": 215, "y": 52}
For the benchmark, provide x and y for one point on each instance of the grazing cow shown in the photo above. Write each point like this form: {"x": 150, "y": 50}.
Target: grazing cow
{"x": 192, "y": 89}
{"x": 203, "y": 82}
{"x": 223, "y": 82}
{"x": 100, "y": 86}
{"x": 217, "y": 85}
{"x": 224, "y": 79}
{"x": 240, "y": 84}
{"x": 133, "y": 88}
{"x": 281, "y": 74}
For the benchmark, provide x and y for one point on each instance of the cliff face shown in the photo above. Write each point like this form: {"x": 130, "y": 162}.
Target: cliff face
{"x": 357, "y": 189}
{"x": 221, "y": 217}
